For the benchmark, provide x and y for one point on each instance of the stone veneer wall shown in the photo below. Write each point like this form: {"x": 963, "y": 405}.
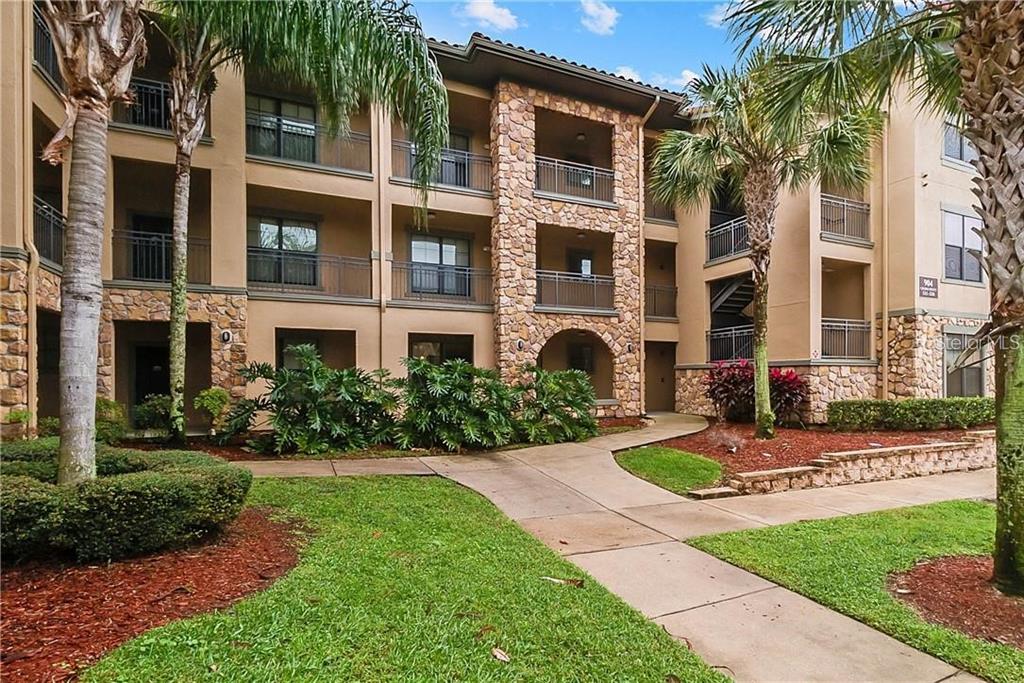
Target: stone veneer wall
{"x": 514, "y": 238}
{"x": 975, "y": 451}
{"x": 916, "y": 367}
{"x": 13, "y": 339}
{"x": 825, "y": 383}
{"x": 224, "y": 312}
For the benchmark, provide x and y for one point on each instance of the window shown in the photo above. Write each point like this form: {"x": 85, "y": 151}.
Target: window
{"x": 440, "y": 265}
{"x": 286, "y": 359}
{"x": 956, "y": 146}
{"x": 969, "y": 379}
{"x": 581, "y": 357}
{"x": 960, "y": 240}
{"x": 438, "y": 348}
{"x": 280, "y": 128}
{"x": 282, "y": 250}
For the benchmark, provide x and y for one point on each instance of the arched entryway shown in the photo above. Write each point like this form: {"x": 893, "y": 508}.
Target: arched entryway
{"x": 581, "y": 350}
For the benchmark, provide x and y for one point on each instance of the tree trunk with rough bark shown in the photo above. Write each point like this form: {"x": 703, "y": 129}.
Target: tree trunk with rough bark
{"x": 81, "y": 292}
{"x": 761, "y": 199}
{"x": 992, "y": 77}
{"x": 189, "y": 99}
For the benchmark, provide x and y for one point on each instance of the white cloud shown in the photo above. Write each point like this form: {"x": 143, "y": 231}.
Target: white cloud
{"x": 628, "y": 72}
{"x": 716, "y": 17}
{"x": 598, "y": 17}
{"x": 680, "y": 81}
{"x": 488, "y": 14}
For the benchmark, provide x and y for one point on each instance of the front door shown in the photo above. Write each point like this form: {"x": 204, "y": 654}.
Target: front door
{"x": 659, "y": 376}
{"x": 152, "y": 374}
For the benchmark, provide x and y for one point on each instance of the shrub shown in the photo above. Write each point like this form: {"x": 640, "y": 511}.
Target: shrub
{"x": 454, "y": 405}
{"x": 730, "y": 387}
{"x": 315, "y": 408}
{"x": 911, "y": 413}
{"x": 154, "y": 412}
{"x": 19, "y": 417}
{"x": 556, "y": 406}
{"x": 48, "y": 426}
{"x": 111, "y": 421}
{"x": 213, "y": 401}
{"x": 143, "y": 501}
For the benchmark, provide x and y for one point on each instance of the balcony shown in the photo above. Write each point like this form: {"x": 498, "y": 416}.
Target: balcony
{"x": 151, "y": 108}
{"x": 728, "y": 239}
{"x": 845, "y": 219}
{"x": 731, "y": 343}
{"x": 660, "y": 301}
{"x": 48, "y": 231}
{"x": 305, "y": 142}
{"x": 458, "y": 168}
{"x": 575, "y": 291}
{"x": 43, "y": 53}
{"x": 327, "y": 275}
{"x": 567, "y": 179}
{"x": 841, "y": 338}
{"x": 440, "y": 284}
{"x": 146, "y": 257}
{"x": 658, "y": 211}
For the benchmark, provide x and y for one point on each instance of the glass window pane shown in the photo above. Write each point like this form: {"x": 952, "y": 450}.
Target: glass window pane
{"x": 953, "y": 226}
{"x": 951, "y": 142}
{"x": 972, "y": 382}
{"x": 954, "y": 261}
{"x": 426, "y": 250}
{"x": 972, "y": 239}
{"x": 972, "y": 267}
{"x": 970, "y": 153}
{"x": 269, "y": 233}
{"x": 298, "y": 237}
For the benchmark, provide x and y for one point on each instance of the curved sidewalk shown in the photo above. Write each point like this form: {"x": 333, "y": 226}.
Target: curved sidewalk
{"x": 627, "y": 534}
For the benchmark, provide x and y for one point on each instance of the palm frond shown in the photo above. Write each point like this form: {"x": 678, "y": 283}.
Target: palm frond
{"x": 840, "y": 150}
{"x": 687, "y": 167}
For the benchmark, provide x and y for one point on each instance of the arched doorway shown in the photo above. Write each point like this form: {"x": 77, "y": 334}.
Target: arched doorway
{"x": 581, "y": 350}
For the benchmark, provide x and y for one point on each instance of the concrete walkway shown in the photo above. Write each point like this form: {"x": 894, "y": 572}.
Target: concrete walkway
{"x": 626, "y": 533}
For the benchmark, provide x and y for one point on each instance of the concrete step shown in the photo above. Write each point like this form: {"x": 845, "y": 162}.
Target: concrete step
{"x": 712, "y": 493}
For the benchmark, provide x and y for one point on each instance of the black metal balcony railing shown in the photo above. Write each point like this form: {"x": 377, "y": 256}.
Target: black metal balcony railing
{"x": 660, "y": 301}
{"x": 555, "y": 176}
{"x": 151, "y": 108}
{"x": 305, "y": 142}
{"x": 842, "y": 338}
{"x": 440, "y": 284}
{"x": 146, "y": 257}
{"x": 48, "y": 231}
{"x": 42, "y": 48}
{"x": 458, "y": 168}
{"x": 731, "y": 343}
{"x": 296, "y": 272}
{"x": 846, "y": 218}
{"x": 658, "y": 210}
{"x": 728, "y": 239}
{"x": 575, "y": 290}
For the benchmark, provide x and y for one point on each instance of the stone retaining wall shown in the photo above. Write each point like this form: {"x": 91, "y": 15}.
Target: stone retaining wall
{"x": 975, "y": 451}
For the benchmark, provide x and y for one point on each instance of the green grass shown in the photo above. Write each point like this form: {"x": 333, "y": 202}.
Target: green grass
{"x": 843, "y": 563}
{"x": 409, "y": 579}
{"x": 669, "y": 468}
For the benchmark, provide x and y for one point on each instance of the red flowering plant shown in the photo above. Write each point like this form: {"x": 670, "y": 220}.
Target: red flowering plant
{"x": 730, "y": 387}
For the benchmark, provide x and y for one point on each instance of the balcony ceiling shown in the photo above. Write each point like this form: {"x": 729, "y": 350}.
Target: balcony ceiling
{"x": 484, "y": 61}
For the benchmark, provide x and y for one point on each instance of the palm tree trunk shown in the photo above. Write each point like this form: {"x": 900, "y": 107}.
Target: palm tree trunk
{"x": 179, "y": 292}
{"x": 82, "y": 297}
{"x": 761, "y": 199}
{"x": 992, "y": 78}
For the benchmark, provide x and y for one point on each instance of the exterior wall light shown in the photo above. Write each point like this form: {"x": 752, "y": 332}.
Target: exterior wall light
{"x": 225, "y": 336}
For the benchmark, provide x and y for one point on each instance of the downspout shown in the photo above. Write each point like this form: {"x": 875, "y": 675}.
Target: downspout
{"x": 642, "y": 351}
{"x": 28, "y": 232}
{"x": 885, "y": 259}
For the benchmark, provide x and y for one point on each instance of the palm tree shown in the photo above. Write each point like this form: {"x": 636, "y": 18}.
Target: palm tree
{"x": 737, "y": 143}
{"x": 962, "y": 59}
{"x": 347, "y": 51}
{"x": 97, "y": 43}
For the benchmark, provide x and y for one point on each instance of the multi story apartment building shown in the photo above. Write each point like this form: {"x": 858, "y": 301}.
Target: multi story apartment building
{"x": 540, "y": 245}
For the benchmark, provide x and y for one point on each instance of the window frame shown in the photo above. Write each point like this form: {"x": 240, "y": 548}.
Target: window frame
{"x": 978, "y": 366}
{"x": 964, "y": 145}
{"x": 441, "y": 340}
{"x": 963, "y": 215}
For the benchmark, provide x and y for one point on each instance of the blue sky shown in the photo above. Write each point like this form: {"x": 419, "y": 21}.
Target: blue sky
{"x": 662, "y": 43}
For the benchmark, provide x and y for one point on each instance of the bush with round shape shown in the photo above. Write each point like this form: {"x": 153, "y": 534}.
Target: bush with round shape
{"x": 48, "y": 426}
{"x": 154, "y": 412}
{"x": 730, "y": 387}
{"x": 142, "y": 502}
{"x": 111, "y": 421}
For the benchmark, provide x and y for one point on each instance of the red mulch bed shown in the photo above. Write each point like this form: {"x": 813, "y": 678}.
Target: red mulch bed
{"x": 621, "y": 422}
{"x": 790, "y": 447}
{"x": 957, "y": 592}
{"x": 58, "y": 619}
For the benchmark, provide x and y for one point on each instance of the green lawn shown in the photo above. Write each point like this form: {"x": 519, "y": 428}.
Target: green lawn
{"x": 669, "y": 468}
{"x": 412, "y": 579}
{"x": 843, "y": 564}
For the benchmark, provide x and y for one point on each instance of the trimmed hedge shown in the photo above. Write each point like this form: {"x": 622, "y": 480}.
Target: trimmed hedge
{"x": 912, "y": 413}
{"x": 142, "y": 502}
